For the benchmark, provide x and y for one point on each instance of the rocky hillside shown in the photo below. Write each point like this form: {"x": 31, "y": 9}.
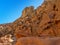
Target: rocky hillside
{"x": 44, "y": 21}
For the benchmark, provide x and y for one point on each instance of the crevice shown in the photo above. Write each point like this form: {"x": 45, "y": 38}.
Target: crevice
{"x": 54, "y": 7}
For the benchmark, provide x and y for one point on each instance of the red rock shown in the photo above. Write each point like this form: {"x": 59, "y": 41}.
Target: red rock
{"x": 38, "y": 41}
{"x": 44, "y": 21}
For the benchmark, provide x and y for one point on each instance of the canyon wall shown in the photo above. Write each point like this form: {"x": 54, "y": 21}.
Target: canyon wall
{"x": 44, "y": 21}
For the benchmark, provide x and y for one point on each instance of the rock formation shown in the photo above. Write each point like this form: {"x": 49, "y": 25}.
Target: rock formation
{"x": 6, "y": 40}
{"x": 41, "y": 22}
{"x": 38, "y": 41}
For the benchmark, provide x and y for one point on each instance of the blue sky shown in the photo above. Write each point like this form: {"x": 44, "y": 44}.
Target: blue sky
{"x": 10, "y": 10}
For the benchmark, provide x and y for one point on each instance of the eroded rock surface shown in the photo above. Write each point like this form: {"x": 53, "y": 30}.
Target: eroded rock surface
{"x": 38, "y": 41}
{"x": 6, "y": 40}
{"x": 41, "y": 22}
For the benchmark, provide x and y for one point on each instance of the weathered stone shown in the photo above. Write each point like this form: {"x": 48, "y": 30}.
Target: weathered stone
{"x": 41, "y": 22}
{"x": 38, "y": 41}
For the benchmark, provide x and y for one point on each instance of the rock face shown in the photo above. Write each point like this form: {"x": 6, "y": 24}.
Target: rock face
{"x": 6, "y": 29}
{"x": 6, "y": 40}
{"x": 38, "y": 41}
{"x": 41, "y": 22}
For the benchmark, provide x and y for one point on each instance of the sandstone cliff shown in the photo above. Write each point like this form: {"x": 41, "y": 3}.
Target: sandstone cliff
{"x": 41, "y": 22}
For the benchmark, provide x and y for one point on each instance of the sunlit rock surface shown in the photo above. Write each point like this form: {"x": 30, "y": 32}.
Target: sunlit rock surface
{"x": 44, "y": 22}
{"x": 6, "y": 40}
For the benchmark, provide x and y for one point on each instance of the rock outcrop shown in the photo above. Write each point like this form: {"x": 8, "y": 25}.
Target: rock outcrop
{"x": 41, "y": 22}
{"x": 6, "y": 40}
